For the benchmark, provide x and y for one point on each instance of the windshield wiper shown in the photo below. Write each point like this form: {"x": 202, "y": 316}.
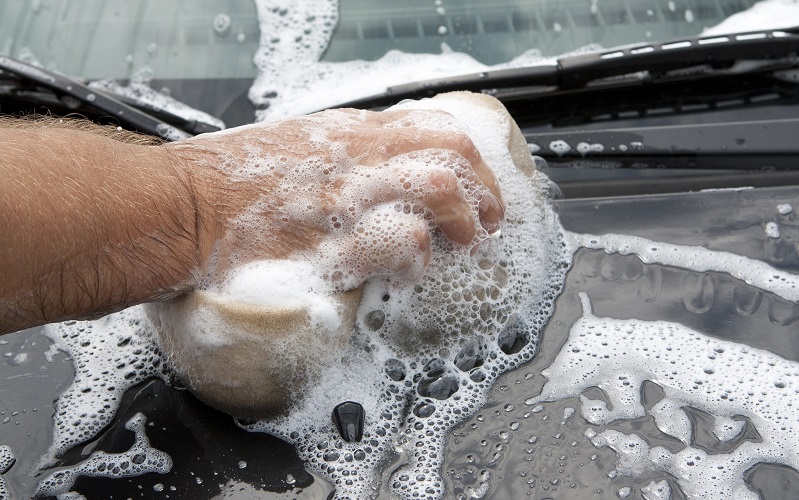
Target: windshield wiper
{"x": 646, "y": 62}
{"x": 75, "y": 95}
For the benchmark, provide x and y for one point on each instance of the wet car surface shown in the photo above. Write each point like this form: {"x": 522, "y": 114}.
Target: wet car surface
{"x": 524, "y": 448}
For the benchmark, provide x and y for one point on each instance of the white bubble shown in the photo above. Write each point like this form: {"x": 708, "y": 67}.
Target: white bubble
{"x": 559, "y": 147}
{"x": 7, "y": 458}
{"x": 656, "y": 491}
{"x": 772, "y": 230}
{"x": 584, "y": 148}
{"x": 222, "y": 24}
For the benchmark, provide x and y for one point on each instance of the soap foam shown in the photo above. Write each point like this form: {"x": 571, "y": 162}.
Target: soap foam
{"x": 140, "y": 459}
{"x": 724, "y": 379}
{"x": 110, "y": 355}
{"x": 763, "y": 15}
{"x": 694, "y": 258}
{"x": 7, "y": 460}
{"x": 425, "y": 353}
{"x": 284, "y": 284}
{"x": 392, "y": 311}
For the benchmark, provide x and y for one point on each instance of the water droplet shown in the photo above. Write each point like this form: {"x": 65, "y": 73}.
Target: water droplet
{"x": 424, "y": 410}
{"x": 222, "y": 24}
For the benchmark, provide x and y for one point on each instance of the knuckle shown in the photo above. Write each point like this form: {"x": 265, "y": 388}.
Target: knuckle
{"x": 445, "y": 182}
{"x": 462, "y": 143}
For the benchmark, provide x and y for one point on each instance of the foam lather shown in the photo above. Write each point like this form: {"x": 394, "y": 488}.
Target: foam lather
{"x": 253, "y": 345}
{"x": 248, "y": 358}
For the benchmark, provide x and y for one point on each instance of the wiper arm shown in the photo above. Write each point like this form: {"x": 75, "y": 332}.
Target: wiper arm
{"x": 67, "y": 89}
{"x": 578, "y": 71}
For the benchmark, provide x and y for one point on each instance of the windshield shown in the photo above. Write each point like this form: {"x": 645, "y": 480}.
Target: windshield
{"x": 207, "y": 54}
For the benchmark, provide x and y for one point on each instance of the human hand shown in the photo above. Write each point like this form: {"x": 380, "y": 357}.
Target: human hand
{"x": 358, "y": 192}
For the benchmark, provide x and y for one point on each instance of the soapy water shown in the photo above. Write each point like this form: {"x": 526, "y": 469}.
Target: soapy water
{"x": 6, "y": 461}
{"x": 726, "y": 380}
{"x": 763, "y": 15}
{"x": 140, "y": 459}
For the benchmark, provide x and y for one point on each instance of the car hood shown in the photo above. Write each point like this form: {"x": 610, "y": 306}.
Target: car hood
{"x": 732, "y": 307}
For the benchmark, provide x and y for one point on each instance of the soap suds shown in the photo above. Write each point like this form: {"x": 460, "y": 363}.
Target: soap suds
{"x": 292, "y": 80}
{"x": 694, "y": 258}
{"x": 772, "y": 230}
{"x": 284, "y": 284}
{"x": 764, "y": 15}
{"x": 111, "y": 355}
{"x": 424, "y": 355}
{"x": 140, "y": 459}
{"x": 722, "y": 378}
{"x": 7, "y": 460}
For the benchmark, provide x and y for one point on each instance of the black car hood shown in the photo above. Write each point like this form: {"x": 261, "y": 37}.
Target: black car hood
{"x": 211, "y": 454}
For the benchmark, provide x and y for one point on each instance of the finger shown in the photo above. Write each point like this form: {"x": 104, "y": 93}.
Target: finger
{"x": 491, "y": 213}
{"x": 438, "y": 129}
{"x": 452, "y": 214}
{"x": 397, "y": 132}
{"x": 423, "y": 181}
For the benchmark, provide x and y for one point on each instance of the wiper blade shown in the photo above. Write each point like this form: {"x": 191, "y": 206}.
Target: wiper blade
{"x": 579, "y": 71}
{"x": 71, "y": 91}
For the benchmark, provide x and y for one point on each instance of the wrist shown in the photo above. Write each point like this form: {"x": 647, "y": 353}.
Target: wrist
{"x": 199, "y": 184}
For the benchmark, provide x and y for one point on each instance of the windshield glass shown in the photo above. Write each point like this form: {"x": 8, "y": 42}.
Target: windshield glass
{"x": 349, "y": 48}
{"x": 496, "y": 32}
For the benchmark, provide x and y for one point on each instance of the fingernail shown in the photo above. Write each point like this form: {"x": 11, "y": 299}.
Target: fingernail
{"x": 491, "y": 213}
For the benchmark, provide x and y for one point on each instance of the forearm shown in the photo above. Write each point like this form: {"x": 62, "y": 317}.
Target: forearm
{"x": 91, "y": 225}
